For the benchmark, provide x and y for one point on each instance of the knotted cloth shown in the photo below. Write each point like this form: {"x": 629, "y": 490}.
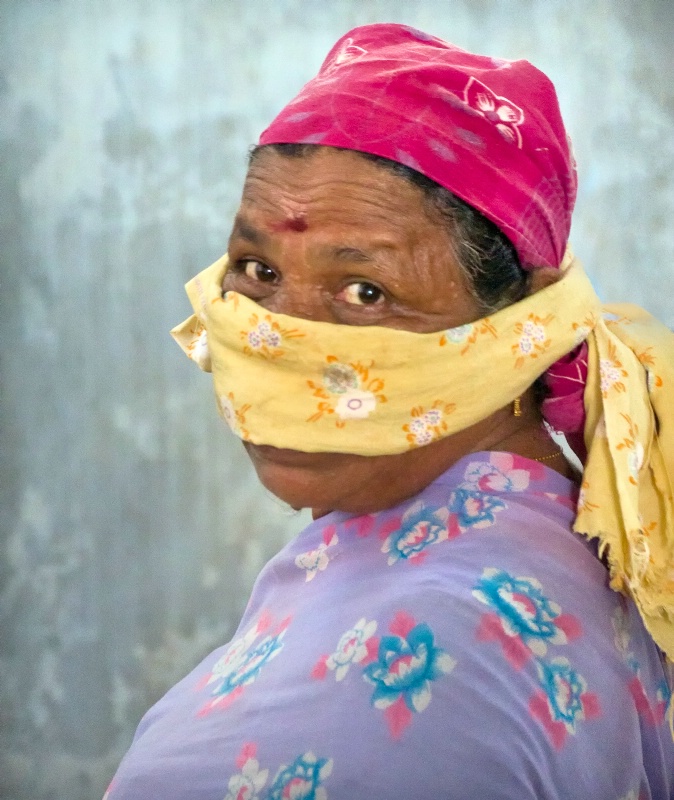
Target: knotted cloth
{"x": 320, "y": 387}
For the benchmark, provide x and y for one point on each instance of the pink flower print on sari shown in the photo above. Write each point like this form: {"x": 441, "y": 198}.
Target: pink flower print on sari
{"x": 408, "y": 662}
{"x": 652, "y": 712}
{"x": 247, "y": 784}
{"x": 302, "y": 780}
{"x": 563, "y": 499}
{"x": 563, "y": 701}
{"x": 418, "y": 528}
{"x": 522, "y": 620}
{"x": 472, "y": 504}
{"x": 242, "y": 662}
{"x": 355, "y": 646}
{"x": 315, "y": 561}
{"x": 501, "y": 112}
{"x": 504, "y": 472}
{"x": 362, "y": 525}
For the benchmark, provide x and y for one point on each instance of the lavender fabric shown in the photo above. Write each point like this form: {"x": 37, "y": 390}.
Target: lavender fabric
{"x": 464, "y": 644}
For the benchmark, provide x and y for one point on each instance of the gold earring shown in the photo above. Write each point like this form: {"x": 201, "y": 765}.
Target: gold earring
{"x": 517, "y": 407}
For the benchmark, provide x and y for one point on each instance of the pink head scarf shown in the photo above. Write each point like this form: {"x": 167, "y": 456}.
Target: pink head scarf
{"x": 488, "y": 130}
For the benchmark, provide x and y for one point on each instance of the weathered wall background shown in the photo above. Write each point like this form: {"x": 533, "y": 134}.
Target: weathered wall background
{"x": 131, "y": 525}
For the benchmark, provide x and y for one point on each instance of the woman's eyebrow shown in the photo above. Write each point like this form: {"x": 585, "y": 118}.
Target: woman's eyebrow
{"x": 245, "y": 230}
{"x": 346, "y": 253}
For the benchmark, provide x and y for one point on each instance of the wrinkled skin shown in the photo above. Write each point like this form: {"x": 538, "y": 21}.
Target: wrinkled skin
{"x": 336, "y": 238}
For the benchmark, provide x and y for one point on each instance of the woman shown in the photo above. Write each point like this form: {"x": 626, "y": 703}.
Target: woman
{"x": 397, "y": 281}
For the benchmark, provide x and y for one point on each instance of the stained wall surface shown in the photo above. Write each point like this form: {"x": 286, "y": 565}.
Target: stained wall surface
{"x": 131, "y": 526}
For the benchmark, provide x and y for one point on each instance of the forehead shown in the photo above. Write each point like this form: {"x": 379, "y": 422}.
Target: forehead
{"x": 333, "y": 215}
{"x": 339, "y": 184}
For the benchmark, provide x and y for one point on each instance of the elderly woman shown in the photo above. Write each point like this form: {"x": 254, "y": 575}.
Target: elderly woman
{"x": 467, "y": 616}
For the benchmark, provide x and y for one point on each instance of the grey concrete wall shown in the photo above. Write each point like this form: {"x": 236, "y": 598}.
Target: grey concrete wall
{"x": 131, "y": 526}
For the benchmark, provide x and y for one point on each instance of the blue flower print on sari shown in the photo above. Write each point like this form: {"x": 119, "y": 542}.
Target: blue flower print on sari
{"x": 302, "y": 780}
{"x": 407, "y": 663}
{"x": 474, "y": 503}
{"x": 563, "y": 700}
{"x": 242, "y": 662}
{"x": 471, "y": 508}
{"x": 418, "y": 528}
{"x": 523, "y": 620}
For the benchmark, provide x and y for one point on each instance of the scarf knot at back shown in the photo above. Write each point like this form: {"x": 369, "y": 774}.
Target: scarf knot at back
{"x": 626, "y": 495}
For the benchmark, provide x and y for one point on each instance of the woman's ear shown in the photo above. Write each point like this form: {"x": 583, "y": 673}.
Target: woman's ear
{"x": 541, "y": 278}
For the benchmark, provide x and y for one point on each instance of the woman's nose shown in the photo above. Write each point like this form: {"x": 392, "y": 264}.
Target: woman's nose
{"x": 301, "y": 299}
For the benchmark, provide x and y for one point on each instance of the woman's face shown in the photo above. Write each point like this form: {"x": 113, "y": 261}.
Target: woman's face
{"x": 336, "y": 238}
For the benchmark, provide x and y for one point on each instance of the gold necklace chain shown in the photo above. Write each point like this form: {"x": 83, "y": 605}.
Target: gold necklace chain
{"x": 548, "y": 458}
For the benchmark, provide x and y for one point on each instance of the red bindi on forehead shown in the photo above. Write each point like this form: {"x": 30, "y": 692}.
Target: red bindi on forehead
{"x": 296, "y": 222}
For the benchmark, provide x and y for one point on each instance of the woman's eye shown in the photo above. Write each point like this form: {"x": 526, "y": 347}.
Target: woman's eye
{"x": 362, "y": 294}
{"x": 258, "y": 271}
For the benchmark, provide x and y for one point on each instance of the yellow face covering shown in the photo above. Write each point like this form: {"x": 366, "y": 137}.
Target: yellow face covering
{"x": 320, "y": 387}
{"x": 316, "y": 386}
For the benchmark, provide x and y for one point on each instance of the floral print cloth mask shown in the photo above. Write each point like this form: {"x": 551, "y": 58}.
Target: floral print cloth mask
{"x": 321, "y": 387}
